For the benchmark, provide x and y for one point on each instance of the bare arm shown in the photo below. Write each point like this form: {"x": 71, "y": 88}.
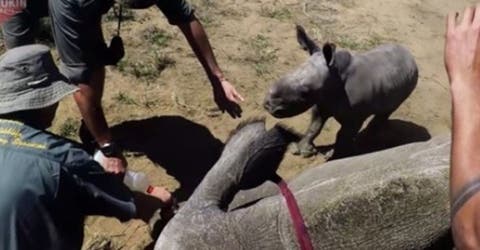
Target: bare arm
{"x": 462, "y": 60}
{"x": 226, "y": 97}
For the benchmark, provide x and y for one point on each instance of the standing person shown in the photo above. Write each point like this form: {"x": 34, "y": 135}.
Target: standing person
{"x": 78, "y": 36}
{"x": 462, "y": 60}
{"x": 48, "y": 183}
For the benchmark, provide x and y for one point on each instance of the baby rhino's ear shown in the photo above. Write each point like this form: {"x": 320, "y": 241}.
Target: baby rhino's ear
{"x": 305, "y": 42}
{"x": 329, "y": 52}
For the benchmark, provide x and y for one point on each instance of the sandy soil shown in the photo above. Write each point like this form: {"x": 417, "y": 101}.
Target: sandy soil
{"x": 160, "y": 103}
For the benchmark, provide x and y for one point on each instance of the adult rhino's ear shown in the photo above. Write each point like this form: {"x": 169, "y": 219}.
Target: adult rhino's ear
{"x": 263, "y": 164}
{"x": 329, "y": 52}
{"x": 305, "y": 42}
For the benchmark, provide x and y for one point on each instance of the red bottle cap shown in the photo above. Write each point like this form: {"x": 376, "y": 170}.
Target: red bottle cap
{"x": 150, "y": 189}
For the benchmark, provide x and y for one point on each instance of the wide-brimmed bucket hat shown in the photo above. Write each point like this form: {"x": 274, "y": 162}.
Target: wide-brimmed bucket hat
{"x": 29, "y": 79}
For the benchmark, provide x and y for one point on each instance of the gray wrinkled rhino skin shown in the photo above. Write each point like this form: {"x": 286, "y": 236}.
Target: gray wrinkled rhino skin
{"x": 348, "y": 87}
{"x": 393, "y": 199}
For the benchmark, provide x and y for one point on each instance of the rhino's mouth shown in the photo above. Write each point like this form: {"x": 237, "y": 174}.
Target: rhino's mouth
{"x": 276, "y": 111}
{"x": 283, "y": 110}
{"x": 280, "y": 112}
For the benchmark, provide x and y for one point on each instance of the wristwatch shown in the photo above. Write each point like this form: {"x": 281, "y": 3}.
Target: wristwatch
{"x": 110, "y": 149}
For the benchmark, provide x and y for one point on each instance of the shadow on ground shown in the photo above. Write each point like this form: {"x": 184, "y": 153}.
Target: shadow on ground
{"x": 394, "y": 133}
{"x": 186, "y": 150}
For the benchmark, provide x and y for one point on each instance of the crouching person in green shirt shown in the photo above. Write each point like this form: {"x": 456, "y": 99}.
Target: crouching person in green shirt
{"x": 48, "y": 184}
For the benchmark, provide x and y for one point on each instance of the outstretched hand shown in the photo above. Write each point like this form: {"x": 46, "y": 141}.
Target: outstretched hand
{"x": 227, "y": 98}
{"x": 462, "y": 61}
{"x": 462, "y": 49}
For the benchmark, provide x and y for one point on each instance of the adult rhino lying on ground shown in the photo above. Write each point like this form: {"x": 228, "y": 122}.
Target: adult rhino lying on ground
{"x": 348, "y": 87}
{"x": 393, "y": 199}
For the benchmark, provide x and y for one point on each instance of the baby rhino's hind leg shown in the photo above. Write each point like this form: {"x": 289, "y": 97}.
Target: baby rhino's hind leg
{"x": 379, "y": 121}
{"x": 344, "y": 144}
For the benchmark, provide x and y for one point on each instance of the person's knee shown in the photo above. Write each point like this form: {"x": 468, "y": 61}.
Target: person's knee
{"x": 18, "y": 31}
{"x": 88, "y": 94}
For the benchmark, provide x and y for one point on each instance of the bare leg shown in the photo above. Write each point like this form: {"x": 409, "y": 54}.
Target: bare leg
{"x": 305, "y": 147}
{"x": 345, "y": 139}
{"x": 89, "y": 100}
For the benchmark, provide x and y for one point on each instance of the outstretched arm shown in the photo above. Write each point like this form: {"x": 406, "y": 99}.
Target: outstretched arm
{"x": 226, "y": 97}
{"x": 462, "y": 60}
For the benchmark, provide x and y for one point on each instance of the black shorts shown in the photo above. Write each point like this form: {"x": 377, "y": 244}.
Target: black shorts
{"x": 77, "y": 31}
{"x": 21, "y": 28}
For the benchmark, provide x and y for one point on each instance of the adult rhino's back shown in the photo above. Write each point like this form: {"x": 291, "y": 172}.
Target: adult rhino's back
{"x": 381, "y": 79}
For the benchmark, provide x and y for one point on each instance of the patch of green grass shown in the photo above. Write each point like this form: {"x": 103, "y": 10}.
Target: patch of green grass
{"x": 207, "y": 20}
{"x": 375, "y": 40}
{"x": 123, "y": 98}
{"x": 263, "y": 56}
{"x": 122, "y": 65}
{"x": 150, "y": 103}
{"x": 372, "y": 41}
{"x": 69, "y": 128}
{"x": 206, "y": 12}
{"x": 139, "y": 69}
{"x": 156, "y": 36}
{"x": 162, "y": 62}
{"x": 276, "y": 13}
{"x": 148, "y": 69}
{"x": 348, "y": 43}
{"x": 112, "y": 15}
{"x": 142, "y": 69}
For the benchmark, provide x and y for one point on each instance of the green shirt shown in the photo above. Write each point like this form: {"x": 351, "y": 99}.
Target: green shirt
{"x": 47, "y": 186}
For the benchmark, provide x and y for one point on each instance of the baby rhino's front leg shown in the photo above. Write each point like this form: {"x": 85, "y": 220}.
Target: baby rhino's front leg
{"x": 305, "y": 147}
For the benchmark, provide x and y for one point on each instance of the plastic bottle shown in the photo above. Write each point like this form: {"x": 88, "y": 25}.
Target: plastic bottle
{"x": 137, "y": 181}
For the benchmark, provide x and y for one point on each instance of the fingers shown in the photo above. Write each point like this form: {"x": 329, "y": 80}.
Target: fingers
{"x": 115, "y": 166}
{"x": 468, "y": 16}
{"x": 451, "y": 21}
{"x": 238, "y": 97}
{"x": 234, "y": 97}
{"x": 476, "y": 19}
{"x": 231, "y": 93}
{"x": 234, "y": 110}
{"x": 162, "y": 194}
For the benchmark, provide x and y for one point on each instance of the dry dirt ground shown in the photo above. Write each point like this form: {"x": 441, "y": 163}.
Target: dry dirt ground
{"x": 160, "y": 104}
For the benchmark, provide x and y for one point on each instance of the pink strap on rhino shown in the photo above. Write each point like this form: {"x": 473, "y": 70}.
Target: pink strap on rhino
{"x": 300, "y": 229}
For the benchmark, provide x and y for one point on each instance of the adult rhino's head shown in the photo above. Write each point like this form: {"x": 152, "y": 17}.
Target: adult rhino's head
{"x": 251, "y": 156}
{"x": 297, "y": 91}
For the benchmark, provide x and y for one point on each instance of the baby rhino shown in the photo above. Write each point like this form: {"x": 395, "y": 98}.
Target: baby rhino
{"x": 348, "y": 87}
